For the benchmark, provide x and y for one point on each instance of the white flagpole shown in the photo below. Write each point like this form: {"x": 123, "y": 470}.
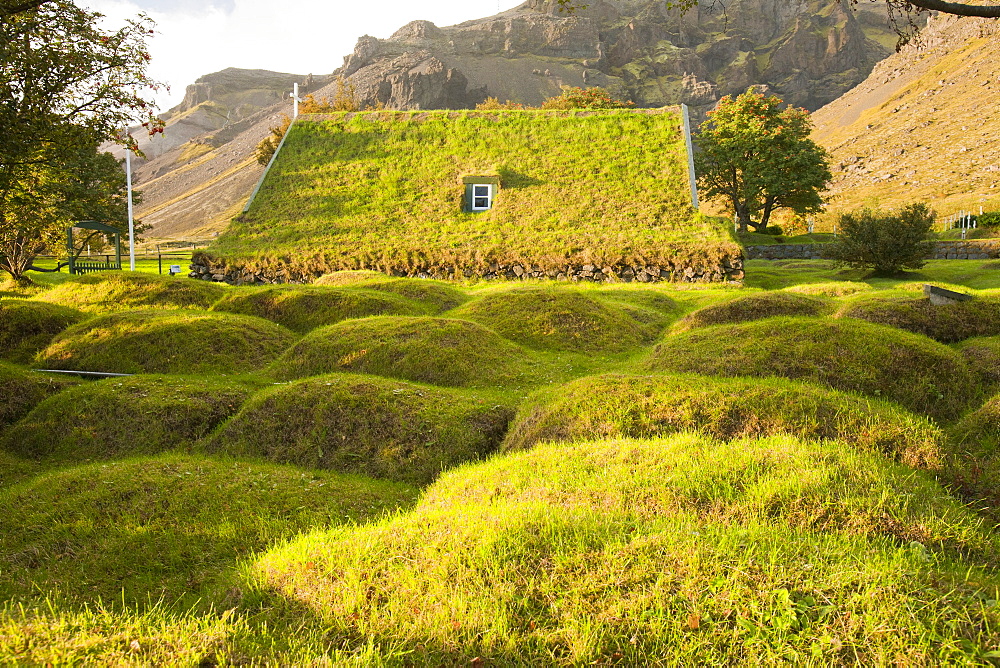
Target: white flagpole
{"x": 131, "y": 227}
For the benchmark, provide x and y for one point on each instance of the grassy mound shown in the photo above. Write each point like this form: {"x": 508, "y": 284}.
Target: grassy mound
{"x": 632, "y": 551}
{"x": 384, "y": 190}
{"x": 994, "y": 264}
{"x": 983, "y": 356}
{"x": 118, "y": 290}
{"x": 302, "y": 308}
{"x": 925, "y": 376}
{"x": 122, "y": 417}
{"x": 436, "y": 296}
{"x": 618, "y": 405}
{"x": 27, "y": 326}
{"x": 14, "y": 469}
{"x": 557, "y": 318}
{"x": 154, "y": 341}
{"x": 977, "y": 470}
{"x": 21, "y": 390}
{"x": 438, "y": 351}
{"x": 830, "y": 289}
{"x": 947, "y": 323}
{"x": 752, "y": 307}
{"x": 172, "y": 526}
{"x": 349, "y": 277}
{"x": 367, "y": 425}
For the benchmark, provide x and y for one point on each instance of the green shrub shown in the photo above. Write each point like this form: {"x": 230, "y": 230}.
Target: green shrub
{"x": 885, "y": 242}
{"x": 21, "y": 390}
{"x": 623, "y": 406}
{"x": 947, "y": 323}
{"x": 557, "y": 318}
{"x": 27, "y": 326}
{"x": 363, "y": 424}
{"x": 753, "y": 307}
{"x": 632, "y": 551}
{"x": 852, "y": 355}
{"x": 773, "y": 230}
{"x": 122, "y": 417}
{"x": 990, "y": 219}
{"x": 983, "y": 356}
{"x": 119, "y": 290}
{"x": 156, "y": 341}
{"x": 129, "y": 533}
{"x": 437, "y": 351}
{"x": 302, "y": 308}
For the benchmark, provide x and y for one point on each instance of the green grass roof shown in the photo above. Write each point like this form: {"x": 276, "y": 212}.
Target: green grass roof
{"x": 386, "y": 190}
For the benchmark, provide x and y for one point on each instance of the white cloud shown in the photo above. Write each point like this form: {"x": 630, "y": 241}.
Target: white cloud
{"x": 298, "y": 36}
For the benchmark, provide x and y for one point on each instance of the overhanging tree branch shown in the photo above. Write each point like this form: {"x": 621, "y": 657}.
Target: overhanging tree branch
{"x": 958, "y": 8}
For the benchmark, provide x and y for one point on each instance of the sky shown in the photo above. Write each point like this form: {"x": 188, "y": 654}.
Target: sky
{"x": 298, "y": 36}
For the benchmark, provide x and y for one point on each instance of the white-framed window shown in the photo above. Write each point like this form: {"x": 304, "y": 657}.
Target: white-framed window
{"x": 482, "y": 196}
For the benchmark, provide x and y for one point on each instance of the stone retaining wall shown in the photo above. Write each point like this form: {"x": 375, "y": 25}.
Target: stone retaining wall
{"x": 969, "y": 249}
{"x": 205, "y": 268}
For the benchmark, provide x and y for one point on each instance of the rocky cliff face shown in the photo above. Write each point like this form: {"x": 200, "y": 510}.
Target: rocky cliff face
{"x": 808, "y": 52}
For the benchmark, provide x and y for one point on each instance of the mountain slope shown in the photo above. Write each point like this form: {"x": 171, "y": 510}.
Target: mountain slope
{"x": 923, "y": 126}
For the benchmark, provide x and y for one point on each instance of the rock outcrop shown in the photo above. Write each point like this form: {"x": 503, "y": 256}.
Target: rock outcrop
{"x": 808, "y": 52}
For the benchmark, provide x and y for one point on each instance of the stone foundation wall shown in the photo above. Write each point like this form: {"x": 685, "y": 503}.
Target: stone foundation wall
{"x": 970, "y": 249}
{"x": 206, "y": 268}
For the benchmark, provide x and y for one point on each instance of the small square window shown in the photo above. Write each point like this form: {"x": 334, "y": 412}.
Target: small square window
{"x": 482, "y": 197}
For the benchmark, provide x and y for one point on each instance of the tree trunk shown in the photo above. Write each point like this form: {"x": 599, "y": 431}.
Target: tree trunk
{"x": 742, "y": 216}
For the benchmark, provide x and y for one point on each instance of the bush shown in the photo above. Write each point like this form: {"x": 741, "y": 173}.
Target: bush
{"x": 773, "y": 230}
{"x": 154, "y": 341}
{"x": 123, "y": 417}
{"x": 573, "y": 97}
{"x": 990, "y": 219}
{"x": 364, "y": 424}
{"x": 28, "y": 326}
{"x": 886, "y": 242}
{"x": 624, "y": 406}
{"x": 924, "y": 376}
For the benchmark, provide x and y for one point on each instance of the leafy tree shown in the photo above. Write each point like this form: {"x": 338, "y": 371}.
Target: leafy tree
{"x": 759, "y": 158}
{"x": 66, "y": 85}
{"x": 886, "y": 242}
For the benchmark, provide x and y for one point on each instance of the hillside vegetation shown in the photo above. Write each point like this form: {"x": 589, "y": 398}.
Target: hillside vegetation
{"x": 540, "y": 473}
{"x": 384, "y": 190}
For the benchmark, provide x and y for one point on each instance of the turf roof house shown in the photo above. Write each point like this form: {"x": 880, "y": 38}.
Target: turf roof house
{"x": 591, "y": 195}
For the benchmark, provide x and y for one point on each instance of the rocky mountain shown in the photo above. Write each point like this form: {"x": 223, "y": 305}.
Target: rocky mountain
{"x": 810, "y": 52}
{"x": 200, "y": 171}
{"x": 923, "y": 125}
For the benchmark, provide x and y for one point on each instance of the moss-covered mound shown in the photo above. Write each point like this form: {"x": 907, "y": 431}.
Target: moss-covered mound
{"x": 923, "y": 375}
{"x": 154, "y": 341}
{"x": 364, "y": 424}
{"x": 27, "y": 326}
{"x": 121, "y": 417}
{"x": 983, "y": 356}
{"x": 172, "y": 526}
{"x": 752, "y": 307}
{"x": 946, "y": 323}
{"x": 618, "y": 405}
{"x": 118, "y": 290}
{"x": 21, "y": 390}
{"x": 830, "y": 289}
{"x": 302, "y": 308}
{"x": 680, "y": 548}
{"x": 439, "y": 351}
{"x": 977, "y": 468}
{"x": 349, "y": 277}
{"x": 437, "y": 296}
{"x": 558, "y": 318}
